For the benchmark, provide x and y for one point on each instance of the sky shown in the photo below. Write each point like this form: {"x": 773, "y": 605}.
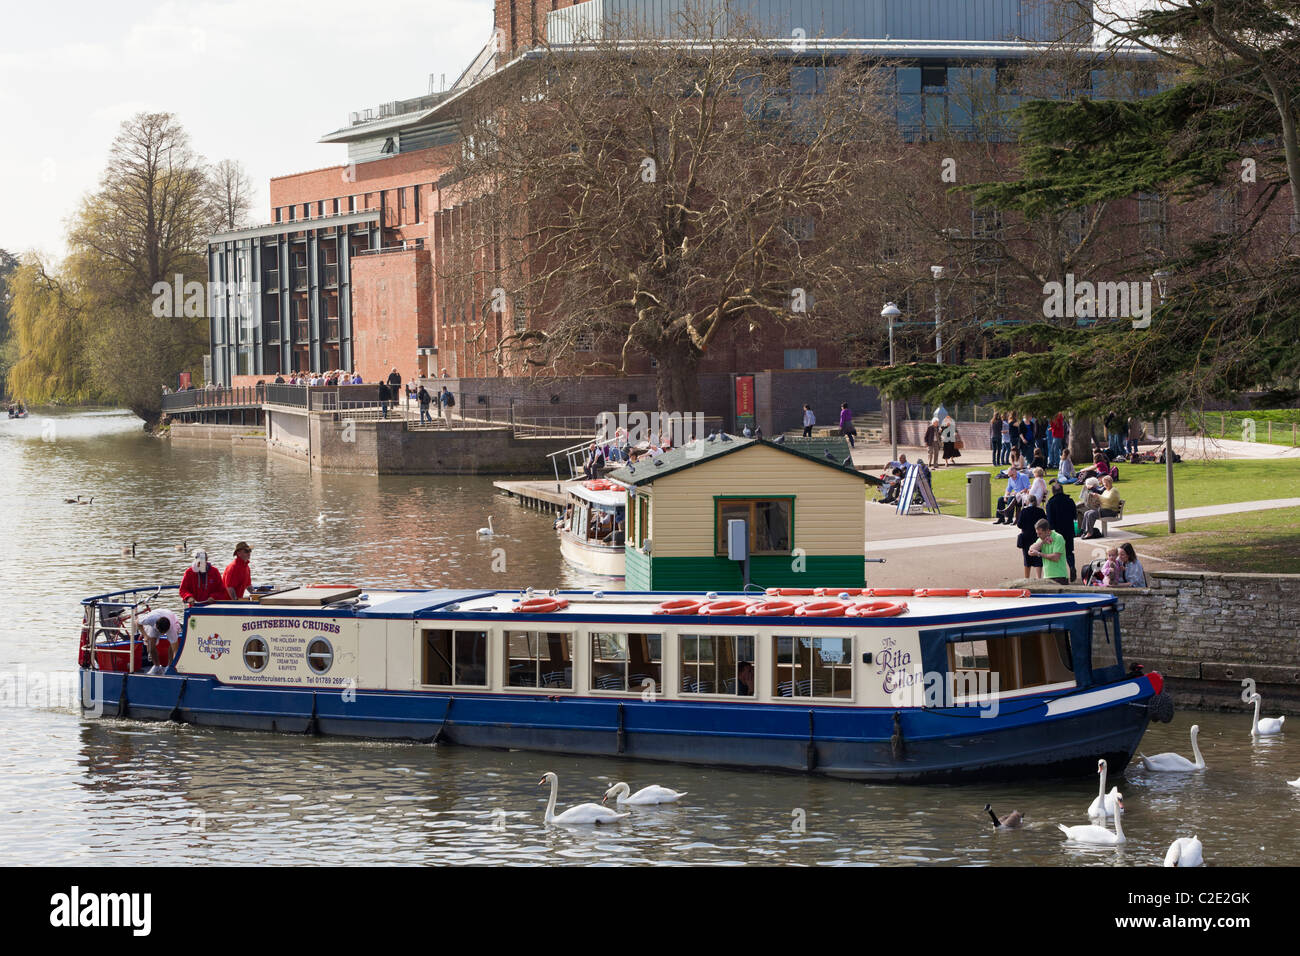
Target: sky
{"x": 259, "y": 81}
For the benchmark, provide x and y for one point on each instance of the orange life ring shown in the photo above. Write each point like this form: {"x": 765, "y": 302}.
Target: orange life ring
{"x": 999, "y": 592}
{"x": 598, "y": 484}
{"x": 823, "y": 609}
{"x": 888, "y": 592}
{"x": 727, "y": 607}
{"x": 942, "y": 592}
{"x": 543, "y": 605}
{"x": 791, "y": 592}
{"x": 679, "y": 606}
{"x": 772, "y": 608}
{"x": 835, "y": 592}
{"x": 877, "y": 609}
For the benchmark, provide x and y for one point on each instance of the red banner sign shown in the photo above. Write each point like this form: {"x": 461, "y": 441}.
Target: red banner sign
{"x": 744, "y": 396}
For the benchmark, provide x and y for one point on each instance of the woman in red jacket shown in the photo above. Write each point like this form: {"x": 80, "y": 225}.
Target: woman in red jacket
{"x": 201, "y": 582}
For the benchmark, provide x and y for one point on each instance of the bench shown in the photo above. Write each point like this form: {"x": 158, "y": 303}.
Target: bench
{"x": 1118, "y": 517}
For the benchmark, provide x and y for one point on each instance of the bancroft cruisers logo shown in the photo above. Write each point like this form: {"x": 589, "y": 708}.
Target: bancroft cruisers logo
{"x": 214, "y": 646}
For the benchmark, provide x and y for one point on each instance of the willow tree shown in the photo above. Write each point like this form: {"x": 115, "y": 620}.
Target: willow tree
{"x": 147, "y": 223}
{"x": 643, "y": 196}
{"x": 48, "y": 327}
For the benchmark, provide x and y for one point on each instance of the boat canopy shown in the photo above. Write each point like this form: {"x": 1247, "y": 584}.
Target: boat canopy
{"x": 616, "y": 498}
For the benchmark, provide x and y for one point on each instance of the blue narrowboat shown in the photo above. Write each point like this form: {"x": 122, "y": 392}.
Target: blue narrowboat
{"x": 876, "y": 685}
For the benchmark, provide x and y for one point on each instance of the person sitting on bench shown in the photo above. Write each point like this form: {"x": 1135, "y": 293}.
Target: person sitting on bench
{"x": 1009, "y": 503}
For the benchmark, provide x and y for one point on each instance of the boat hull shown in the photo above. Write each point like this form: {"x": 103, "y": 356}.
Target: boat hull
{"x": 607, "y": 561}
{"x": 1025, "y": 741}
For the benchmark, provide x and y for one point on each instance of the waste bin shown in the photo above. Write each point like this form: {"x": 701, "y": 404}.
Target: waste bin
{"x": 979, "y": 501}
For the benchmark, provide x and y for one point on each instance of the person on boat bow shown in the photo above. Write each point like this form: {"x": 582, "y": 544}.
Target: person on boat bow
{"x": 156, "y": 625}
{"x": 201, "y": 582}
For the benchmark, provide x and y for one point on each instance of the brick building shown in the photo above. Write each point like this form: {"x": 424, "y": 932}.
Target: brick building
{"x": 345, "y": 275}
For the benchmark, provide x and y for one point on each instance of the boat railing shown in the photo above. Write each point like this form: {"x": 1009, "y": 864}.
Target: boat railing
{"x": 113, "y": 616}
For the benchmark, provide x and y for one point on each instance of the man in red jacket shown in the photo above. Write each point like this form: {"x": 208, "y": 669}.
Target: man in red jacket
{"x": 237, "y": 578}
{"x": 201, "y": 582}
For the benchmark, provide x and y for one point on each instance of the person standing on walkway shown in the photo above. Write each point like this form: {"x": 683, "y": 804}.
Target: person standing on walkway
{"x": 995, "y": 438}
{"x": 425, "y": 400}
{"x": 846, "y": 423}
{"x": 809, "y": 420}
{"x": 395, "y": 386}
{"x": 1050, "y": 549}
{"x": 1030, "y": 515}
{"x": 384, "y": 395}
{"x": 933, "y": 442}
{"x": 445, "y": 401}
{"x": 952, "y": 441}
{"x": 1060, "y": 515}
{"x": 1055, "y": 440}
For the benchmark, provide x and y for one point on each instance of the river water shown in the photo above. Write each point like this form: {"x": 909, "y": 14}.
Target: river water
{"x": 121, "y": 792}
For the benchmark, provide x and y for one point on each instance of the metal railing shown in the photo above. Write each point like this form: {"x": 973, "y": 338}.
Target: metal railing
{"x": 299, "y": 278}
{"x": 330, "y": 273}
{"x": 244, "y": 396}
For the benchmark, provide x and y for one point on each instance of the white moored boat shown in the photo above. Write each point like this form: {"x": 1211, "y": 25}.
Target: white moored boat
{"x": 592, "y": 528}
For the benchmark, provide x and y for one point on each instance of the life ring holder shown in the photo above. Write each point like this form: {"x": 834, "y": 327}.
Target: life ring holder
{"x": 877, "y": 609}
{"x": 772, "y": 609}
{"x": 836, "y": 592}
{"x": 999, "y": 592}
{"x": 680, "y": 606}
{"x": 942, "y": 592}
{"x": 888, "y": 592}
{"x": 542, "y": 605}
{"x": 823, "y": 609}
{"x": 726, "y": 607}
{"x": 792, "y": 592}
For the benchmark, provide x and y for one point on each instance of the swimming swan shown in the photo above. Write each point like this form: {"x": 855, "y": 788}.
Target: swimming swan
{"x": 1095, "y": 835}
{"x": 1185, "y": 851}
{"x": 487, "y": 532}
{"x": 1103, "y": 806}
{"x": 1294, "y": 783}
{"x": 1175, "y": 763}
{"x": 582, "y": 813}
{"x": 646, "y": 796}
{"x": 1266, "y": 726}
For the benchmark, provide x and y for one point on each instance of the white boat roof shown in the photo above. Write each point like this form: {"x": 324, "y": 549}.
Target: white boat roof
{"x": 617, "y": 497}
{"x": 595, "y": 605}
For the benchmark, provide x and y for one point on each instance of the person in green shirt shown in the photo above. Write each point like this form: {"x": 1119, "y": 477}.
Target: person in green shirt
{"x": 1050, "y": 546}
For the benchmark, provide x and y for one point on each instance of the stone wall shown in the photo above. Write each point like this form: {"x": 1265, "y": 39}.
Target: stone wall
{"x": 198, "y": 431}
{"x": 1207, "y": 632}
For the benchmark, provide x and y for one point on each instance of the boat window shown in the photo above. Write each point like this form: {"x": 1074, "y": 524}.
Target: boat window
{"x": 989, "y": 663}
{"x": 256, "y": 655}
{"x": 715, "y": 664}
{"x": 539, "y": 659}
{"x": 626, "y": 662}
{"x": 455, "y": 658}
{"x": 603, "y": 525}
{"x": 1103, "y": 642}
{"x": 771, "y": 523}
{"x": 813, "y": 667}
{"x": 320, "y": 655}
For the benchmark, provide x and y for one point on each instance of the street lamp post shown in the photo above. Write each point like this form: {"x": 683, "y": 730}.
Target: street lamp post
{"x": 937, "y": 272}
{"x": 1161, "y": 279}
{"x": 891, "y": 312}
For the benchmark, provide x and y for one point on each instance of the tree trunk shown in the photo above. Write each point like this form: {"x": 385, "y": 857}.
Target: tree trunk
{"x": 1081, "y": 440}
{"x": 677, "y": 384}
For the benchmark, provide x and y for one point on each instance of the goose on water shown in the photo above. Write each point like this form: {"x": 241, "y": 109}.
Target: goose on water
{"x": 1104, "y": 804}
{"x": 1099, "y": 836}
{"x": 1009, "y": 822}
{"x": 1176, "y": 763}
{"x": 1185, "y": 851}
{"x": 582, "y": 813}
{"x": 646, "y": 796}
{"x": 1264, "y": 726}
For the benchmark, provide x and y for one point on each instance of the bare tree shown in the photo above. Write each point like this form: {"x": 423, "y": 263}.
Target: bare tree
{"x": 652, "y": 196}
{"x": 232, "y": 194}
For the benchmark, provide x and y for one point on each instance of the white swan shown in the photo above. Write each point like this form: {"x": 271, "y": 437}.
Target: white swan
{"x": 1095, "y": 835}
{"x": 646, "y": 796}
{"x": 487, "y": 532}
{"x": 1175, "y": 763}
{"x": 582, "y": 813}
{"x": 1104, "y": 804}
{"x": 1266, "y": 726}
{"x": 1294, "y": 783}
{"x": 1185, "y": 851}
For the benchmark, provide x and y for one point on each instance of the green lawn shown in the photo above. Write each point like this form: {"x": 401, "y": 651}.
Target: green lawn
{"x": 1284, "y": 422}
{"x": 1255, "y": 541}
{"x": 1143, "y": 486}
